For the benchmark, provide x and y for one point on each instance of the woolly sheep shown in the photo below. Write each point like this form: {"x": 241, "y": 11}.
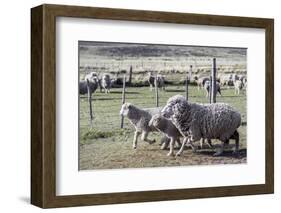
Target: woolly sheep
{"x": 166, "y": 126}
{"x": 91, "y": 76}
{"x": 160, "y": 81}
{"x": 211, "y": 121}
{"x": 83, "y": 86}
{"x": 226, "y": 80}
{"x": 201, "y": 82}
{"x": 106, "y": 83}
{"x": 238, "y": 85}
{"x": 207, "y": 87}
{"x": 140, "y": 119}
{"x": 167, "y": 112}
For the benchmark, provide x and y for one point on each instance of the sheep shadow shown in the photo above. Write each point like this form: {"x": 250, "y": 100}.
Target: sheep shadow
{"x": 127, "y": 92}
{"x": 174, "y": 90}
{"x": 227, "y": 153}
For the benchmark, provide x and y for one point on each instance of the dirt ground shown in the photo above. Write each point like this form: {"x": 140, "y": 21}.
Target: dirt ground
{"x": 104, "y": 154}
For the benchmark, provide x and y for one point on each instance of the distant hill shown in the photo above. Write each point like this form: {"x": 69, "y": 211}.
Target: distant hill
{"x": 117, "y": 50}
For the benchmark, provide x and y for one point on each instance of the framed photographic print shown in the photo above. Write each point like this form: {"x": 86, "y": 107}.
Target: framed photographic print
{"x": 136, "y": 106}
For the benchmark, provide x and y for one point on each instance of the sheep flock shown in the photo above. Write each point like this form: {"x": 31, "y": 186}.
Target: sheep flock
{"x": 190, "y": 122}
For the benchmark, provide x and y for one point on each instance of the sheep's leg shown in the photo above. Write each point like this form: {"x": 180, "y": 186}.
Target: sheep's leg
{"x": 172, "y": 143}
{"x": 144, "y": 138}
{"x": 209, "y": 142}
{"x": 220, "y": 151}
{"x": 202, "y": 142}
{"x": 182, "y": 146}
{"x": 219, "y": 91}
{"x": 135, "y": 141}
{"x": 226, "y": 142}
{"x": 235, "y": 136}
{"x": 165, "y": 143}
{"x": 178, "y": 143}
{"x": 190, "y": 142}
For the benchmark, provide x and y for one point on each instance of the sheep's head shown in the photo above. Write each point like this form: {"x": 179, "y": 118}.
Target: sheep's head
{"x": 167, "y": 111}
{"x": 93, "y": 74}
{"x": 155, "y": 120}
{"x": 125, "y": 109}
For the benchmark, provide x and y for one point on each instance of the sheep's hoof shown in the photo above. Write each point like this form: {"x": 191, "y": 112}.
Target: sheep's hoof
{"x": 164, "y": 146}
{"x": 194, "y": 150}
{"x": 153, "y": 141}
{"x": 219, "y": 153}
{"x": 170, "y": 154}
{"x": 178, "y": 154}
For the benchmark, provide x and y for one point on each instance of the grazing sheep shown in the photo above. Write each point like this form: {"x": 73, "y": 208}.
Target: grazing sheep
{"x": 207, "y": 87}
{"x": 228, "y": 80}
{"x": 211, "y": 121}
{"x": 201, "y": 82}
{"x": 93, "y": 76}
{"x": 90, "y": 76}
{"x": 106, "y": 83}
{"x": 238, "y": 85}
{"x": 234, "y": 77}
{"x": 140, "y": 119}
{"x": 93, "y": 85}
{"x": 166, "y": 126}
{"x": 160, "y": 81}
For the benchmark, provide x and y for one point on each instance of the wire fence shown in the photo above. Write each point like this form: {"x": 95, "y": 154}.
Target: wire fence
{"x": 106, "y": 107}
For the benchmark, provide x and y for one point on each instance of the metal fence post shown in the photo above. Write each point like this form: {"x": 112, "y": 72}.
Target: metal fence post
{"x": 210, "y": 90}
{"x": 90, "y": 103}
{"x": 214, "y": 82}
{"x": 123, "y": 99}
{"x": 156, "y": 91}
{"x": 190, "y": 72}
{"x": 186, "y": 87}
{"x": 130, "y": 75}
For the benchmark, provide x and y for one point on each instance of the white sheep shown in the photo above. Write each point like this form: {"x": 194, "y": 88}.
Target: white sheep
{"x": 160, "y": 79}
{"x": 140, "y": 119}
{"x": 106, "y": 83}
{"x": 207, "y": 87}
{"x": 91, "y": 76}
{"x": 226, "y": 80}
{"x": 210, "y": 121}
{"x": 166, "y": 126}
{"x": 84, "y": 84}
{"x": 201, "y": 82}
{"x": 167, "y": 112}
{"x": 238, "y": 85}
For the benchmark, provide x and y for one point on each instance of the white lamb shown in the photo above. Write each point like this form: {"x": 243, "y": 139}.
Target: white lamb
{"x": 140, "y": 119}
{"x": 166, "y": 126}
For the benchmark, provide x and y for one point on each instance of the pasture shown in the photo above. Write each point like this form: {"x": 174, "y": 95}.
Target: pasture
{"x": 107, "y": 146}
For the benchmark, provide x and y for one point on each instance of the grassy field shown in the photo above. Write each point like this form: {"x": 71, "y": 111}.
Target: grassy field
{"x": 107, "y": 146}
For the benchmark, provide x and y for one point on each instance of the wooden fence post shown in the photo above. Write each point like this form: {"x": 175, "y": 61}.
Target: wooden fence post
{"x": 123, "y": 99}
{"x": 186, "y": 87}
{"x": 90, "y": 103}
{"x": 190, "y": 72}
{"x": 210, "y": 90}
{"x": 156, "y": 91}
{"x": 214, "y": 81}
{"x": 130, "y": 75}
